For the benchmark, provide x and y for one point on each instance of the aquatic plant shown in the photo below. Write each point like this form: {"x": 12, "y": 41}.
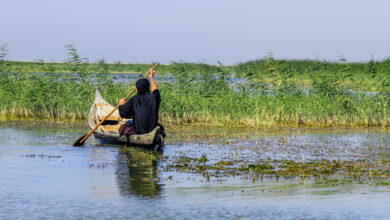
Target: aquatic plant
{"x": 62, "y": 96}
{"x": 277, "y": 92}
{"x": 3, "y": 55}
{"x": 3, "y": 51}
{"x": 319, "y": 171}
{"x": 371, "y": 67}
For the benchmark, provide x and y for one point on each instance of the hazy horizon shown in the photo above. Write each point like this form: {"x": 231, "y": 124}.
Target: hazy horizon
{"x": 195, "y": 31}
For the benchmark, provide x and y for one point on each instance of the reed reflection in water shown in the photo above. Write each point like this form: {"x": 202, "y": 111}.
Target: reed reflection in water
{"x": 137, "y": 173}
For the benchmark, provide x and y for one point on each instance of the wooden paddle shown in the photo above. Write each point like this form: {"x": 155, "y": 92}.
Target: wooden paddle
{"x": 80, "y": 141}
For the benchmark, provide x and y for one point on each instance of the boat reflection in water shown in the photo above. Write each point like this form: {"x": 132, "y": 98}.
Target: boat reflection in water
{"x": 137, "y": 172}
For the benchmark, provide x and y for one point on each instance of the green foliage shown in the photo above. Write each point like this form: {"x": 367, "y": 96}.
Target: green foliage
{"x": 371, "y": 67}
{"x": 268, "y": 73}
{"x": 280, "y": 92}
{"x": 321, "y": 170}
{"x": 102, "y": 66}
{"x": 203, "y": 159}
{"x": 183, "y": 78}
{"x": 59, "y": 96}
{"x": 74, "y": 61}
{"x": 3, "y": 51}
{"x": 326, "y": 85}
{"x": 73, "y": 55}
{"x": 46, "y": 96}
{"x": 3, "y": 54}
{"x": 260, "y": 168}
{"x": 265, "y": 75}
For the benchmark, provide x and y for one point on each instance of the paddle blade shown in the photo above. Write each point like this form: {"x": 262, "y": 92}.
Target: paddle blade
{"x": 78, "y": 143}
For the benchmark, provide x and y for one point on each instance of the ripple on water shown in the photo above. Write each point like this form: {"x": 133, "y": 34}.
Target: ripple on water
{"x": 65, "y": 182}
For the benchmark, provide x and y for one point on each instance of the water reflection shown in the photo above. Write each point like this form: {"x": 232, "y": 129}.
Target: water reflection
{"x": 137, "y": 173}
{"x": 98, "y": 182}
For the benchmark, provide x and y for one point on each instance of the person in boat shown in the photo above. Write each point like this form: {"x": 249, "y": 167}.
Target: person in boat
{"x": 142, "y": 108}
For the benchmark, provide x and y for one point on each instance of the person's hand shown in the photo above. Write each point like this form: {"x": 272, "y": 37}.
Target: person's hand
{"x": 151, "y": 73}
{"x": 122, "y": 101}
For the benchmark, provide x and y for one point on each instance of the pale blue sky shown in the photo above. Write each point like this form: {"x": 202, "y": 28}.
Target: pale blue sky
{"x": 229, "y": 31}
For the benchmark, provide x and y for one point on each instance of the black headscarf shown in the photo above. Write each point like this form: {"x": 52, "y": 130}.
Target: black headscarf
{"x": 143, "y": 86}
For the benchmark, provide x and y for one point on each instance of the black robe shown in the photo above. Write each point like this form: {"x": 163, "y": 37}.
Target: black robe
{"x": 143, "y": 109}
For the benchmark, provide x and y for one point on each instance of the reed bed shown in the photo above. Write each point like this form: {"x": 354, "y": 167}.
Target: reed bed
{"x": 85, "y": 67}
{"x": 206, "y": 97}
{"x": 369, "y": 76}
{"x": 276, "y": 92}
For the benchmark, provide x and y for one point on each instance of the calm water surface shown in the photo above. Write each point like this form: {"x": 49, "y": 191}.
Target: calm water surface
{"x": 43, "y": 177}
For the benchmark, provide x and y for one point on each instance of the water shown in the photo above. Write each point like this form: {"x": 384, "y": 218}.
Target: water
{"x": 131, "y": 77}
{"x": 43, "y": 177}
{"x": 236, "y": 83}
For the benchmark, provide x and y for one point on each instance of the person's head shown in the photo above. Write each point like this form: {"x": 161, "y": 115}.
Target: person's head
{"x": 142, "y": 85}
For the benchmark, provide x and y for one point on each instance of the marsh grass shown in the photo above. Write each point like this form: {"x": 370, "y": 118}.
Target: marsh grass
{"x": 277, "y": 92}
{"x": 207, "y": 99}
{"x": 351, "y": 75}
{"x": 86, "y": 67}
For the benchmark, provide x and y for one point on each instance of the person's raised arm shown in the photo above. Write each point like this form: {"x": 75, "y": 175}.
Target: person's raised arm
{"x": 152, "y": 82}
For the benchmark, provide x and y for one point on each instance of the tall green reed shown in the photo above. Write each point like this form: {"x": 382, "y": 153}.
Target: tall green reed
{"x": 271, "y": 96}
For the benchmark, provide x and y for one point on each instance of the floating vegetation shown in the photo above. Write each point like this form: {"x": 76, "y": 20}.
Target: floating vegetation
{"x": 375, "y": 172}
{"x": 320, "y": 171}
{"x": 41, "y": 156}
{"x": 101, "y": 165}
{"x": 359, "y": 158}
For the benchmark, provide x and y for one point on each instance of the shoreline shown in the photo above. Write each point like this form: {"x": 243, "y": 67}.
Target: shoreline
{"x": 215, "y": 123}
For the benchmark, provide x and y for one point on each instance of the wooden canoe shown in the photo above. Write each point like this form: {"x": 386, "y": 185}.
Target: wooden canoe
{"x": 107, "y": 133}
